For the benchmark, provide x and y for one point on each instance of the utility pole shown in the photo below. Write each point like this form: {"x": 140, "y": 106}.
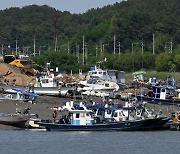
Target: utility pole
{"x": 55, "y": 44}
{"x": 142, "y": 46}
{"x": 96, "y": 50}
{"x": 86, "y": 53}
{"x": 68, "y": 48}
{"x": 132, "y": 48}
{"x": 171, "y": 46}
{"x": 83, "y": 51}
{"x": 114, "y": 44}
{"x": 119, "y": 46}
{"x": 34, "y": 46}
{"x": 101, "y": 47}
{"x": 55, "y": 20}
{"x": 2, "y": 50}
{"x": 28, "y": 50}
{"x": 16, "y": 47}
{"x": 153, "y": 45}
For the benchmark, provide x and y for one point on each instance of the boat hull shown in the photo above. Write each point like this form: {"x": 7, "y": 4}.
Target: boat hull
{"x": 154, "y": 124}
{"x": 48, "y": 91}
{"x": 148, "y": 124}
{"x": 157, "y": 100}
{"x": 15, "y": 120}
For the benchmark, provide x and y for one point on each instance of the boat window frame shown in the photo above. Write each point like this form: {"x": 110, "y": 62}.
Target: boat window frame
{"x": 77, "y": 115}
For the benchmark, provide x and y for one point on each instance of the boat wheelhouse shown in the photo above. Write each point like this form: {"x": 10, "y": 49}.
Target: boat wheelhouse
{"x": 107, "y": 75}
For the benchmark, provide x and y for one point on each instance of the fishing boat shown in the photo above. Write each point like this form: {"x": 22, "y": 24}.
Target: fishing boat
{"x": 161, "y": 95}
{"x": 48, "y": 91}
{"x": 82, "y": 119}
{"x": 17, "y": 119}
{"x": 18, "y": 95}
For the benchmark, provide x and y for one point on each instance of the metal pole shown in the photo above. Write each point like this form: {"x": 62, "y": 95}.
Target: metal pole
{"x": 119, "y": 48}
{"x": 86, "y": 53}
{"x": 114, "y": 44}
{"x": 83, "y": 50}
{"x": 16, "y": 46}
{"x": 101, "y": 47}
{"x": 2, "y": 50}
{"x": 34, "y": 46}
{"x": 132, "y": 49}
{"x": 153, "y": 45}
{"x": 142, "y": 47}
{"x": 171, "y": 45}
{"x": 55, "y": 44}
{"x": 96, "y": 50}
{"x": 68, "y": 48}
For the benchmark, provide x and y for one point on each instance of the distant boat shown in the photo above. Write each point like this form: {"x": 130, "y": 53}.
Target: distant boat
{"x": 161, "y": 95}
{"x": 98, "y": 84}
{"x": 48, "y": 91}
{"x": 18, "y": 95}
{"x": 108, "y": 75}
{"x": 16, "y": 120}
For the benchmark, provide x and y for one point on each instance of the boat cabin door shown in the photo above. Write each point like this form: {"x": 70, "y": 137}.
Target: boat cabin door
{"x": 163, "y": 93}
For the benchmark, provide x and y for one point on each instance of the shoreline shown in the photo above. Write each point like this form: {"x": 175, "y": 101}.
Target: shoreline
{"x": 43, "y": 105}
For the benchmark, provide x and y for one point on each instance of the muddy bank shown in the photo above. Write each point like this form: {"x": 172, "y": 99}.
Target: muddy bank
{"x": 43, "y": 106}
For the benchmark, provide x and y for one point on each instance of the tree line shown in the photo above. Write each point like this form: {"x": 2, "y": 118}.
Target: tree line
{"x": 125, "y": 26}
{"x": 127, "y": 62}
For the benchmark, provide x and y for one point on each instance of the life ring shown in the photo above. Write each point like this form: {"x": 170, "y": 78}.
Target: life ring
{"x": 178, "y": 117}
{"x": 54, "y": 115}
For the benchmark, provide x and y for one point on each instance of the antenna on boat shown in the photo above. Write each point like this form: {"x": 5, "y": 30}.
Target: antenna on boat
{"x": 100, "y": 62}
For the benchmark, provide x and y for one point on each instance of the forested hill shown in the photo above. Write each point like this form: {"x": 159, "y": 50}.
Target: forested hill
{"x": 131, "y": 21}
{"x": 126, "y": 27}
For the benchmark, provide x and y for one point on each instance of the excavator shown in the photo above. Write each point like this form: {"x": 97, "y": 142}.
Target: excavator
{"x": 22, "y": 62}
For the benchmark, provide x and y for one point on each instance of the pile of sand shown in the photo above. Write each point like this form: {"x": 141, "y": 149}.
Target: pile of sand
{"x": 14, "y": 75}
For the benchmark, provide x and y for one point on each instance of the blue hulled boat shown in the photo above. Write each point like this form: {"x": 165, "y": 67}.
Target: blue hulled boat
{"x": 82, "y": 119}
{"x": 161, "y": 95}
{"x": 138, "y": 125}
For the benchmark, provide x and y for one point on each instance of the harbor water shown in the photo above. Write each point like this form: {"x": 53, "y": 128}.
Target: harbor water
{"x": 145, "y": 142}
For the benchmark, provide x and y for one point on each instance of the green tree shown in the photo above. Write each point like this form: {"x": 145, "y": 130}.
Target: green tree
{"x": 164, "y": 62}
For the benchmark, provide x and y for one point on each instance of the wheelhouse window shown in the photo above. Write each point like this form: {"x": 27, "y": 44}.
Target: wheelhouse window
{"x": 45, "y": 81}
{"x": 82, "y": 115}
{"x": 109, "y": 112}
{"x": 163, "y": 90}
{"x": 106, "y": 85}
{"x": 77, "y": 115}
{"x": 115, "y": 114}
